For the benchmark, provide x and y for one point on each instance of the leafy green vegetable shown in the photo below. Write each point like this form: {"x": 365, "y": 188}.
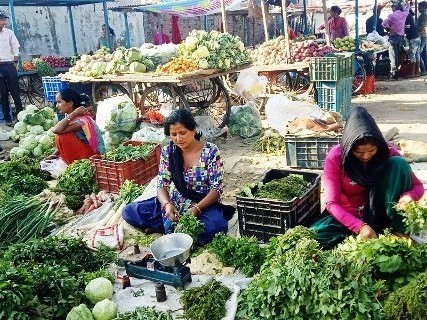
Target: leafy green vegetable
{"x": 205, "y": 302}
{"x": 129, "y": 152}
{"x": 409, "y": 302}
{"x": 242, "y": 253}
{"x": 415, "y": 217}
{"x": 105, "y": 310}
{"x": 28, "y": 185}
{"x": 99, "y": 289}
{"x": 81, "y": 312}
{"x": 190, "y": 225}
{"x": 145, "y": 313}
{"x": 128, "y": 192}
{"x": 270, "y": 142}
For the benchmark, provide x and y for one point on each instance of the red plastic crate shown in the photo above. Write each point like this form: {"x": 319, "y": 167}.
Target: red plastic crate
{"x": 111, "y": 175}
{"x": 368, "y": 86}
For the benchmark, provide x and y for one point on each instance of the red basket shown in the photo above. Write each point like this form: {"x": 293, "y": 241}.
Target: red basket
{"x": 368, "y": 86}
{"x": 110, "y": 175}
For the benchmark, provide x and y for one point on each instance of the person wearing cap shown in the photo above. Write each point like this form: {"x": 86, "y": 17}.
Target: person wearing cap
{"x": 9, "y": 82}
{"x": 395, "y": 25}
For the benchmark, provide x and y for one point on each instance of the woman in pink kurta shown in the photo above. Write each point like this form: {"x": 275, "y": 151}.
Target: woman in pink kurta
{"x": 363, "y": 178}
{"x": 338, "y": 26}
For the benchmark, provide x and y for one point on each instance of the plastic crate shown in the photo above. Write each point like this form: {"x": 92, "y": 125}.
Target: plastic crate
{"x": 110, "y": 175}
{"x": 266, "y": 218}
{"x": 332, "y": 67}
{"x": 335, "y": 96}
{"x": 308, "y": 152}
{"x": 368, "y": 86}
{"x": 51, "y": 86}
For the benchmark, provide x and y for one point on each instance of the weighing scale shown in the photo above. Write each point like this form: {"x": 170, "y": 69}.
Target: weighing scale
{"x": 139, "y": 263}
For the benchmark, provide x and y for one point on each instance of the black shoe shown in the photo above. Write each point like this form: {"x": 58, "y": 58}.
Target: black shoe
{"x": 1, "y": 155}
{"x": 393, "y": 76}
{"x": 9, "y": 123}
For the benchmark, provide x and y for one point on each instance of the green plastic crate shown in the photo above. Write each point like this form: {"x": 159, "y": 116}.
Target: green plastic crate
{"x": 332, "y": 67}
{"x": 335, "y": 96}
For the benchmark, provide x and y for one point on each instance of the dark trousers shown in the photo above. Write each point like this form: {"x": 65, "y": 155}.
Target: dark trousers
{"x": 393, "y": 50}
{"x": 9, "y": 82}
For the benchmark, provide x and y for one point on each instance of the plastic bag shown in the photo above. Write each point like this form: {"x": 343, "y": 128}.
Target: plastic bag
{"x": 116, "y": 114}
{"x": 245, "y": 121}
{"x": 207, "y": 126}
{"x": 149, "y": 133}
{"x": 279, "y": 110}
{"x": 250, "y": 85}
{"x": 112, "y": 237}
{"x": 55, "y": 166}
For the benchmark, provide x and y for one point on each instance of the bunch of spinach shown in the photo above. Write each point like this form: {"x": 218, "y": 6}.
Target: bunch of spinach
{"x": 242, "y": 253}
{"x": 144, "y": 313}
{"x": 409, "y": 302}
{"x": 190, "y": 225}
{"x": 27, "y": 185}
{"x": 415, "y": 217}
{"x": 205, "y": 302}
{"x": 77, "y": 181}
{"x": 129, "y": 152}
{"x": 308, "y": 283}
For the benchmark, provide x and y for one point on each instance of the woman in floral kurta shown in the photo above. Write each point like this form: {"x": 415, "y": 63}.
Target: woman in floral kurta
{"x": 199, "y": 176}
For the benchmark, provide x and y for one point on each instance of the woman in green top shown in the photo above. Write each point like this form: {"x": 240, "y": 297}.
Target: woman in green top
{"x": 103, "y": 39}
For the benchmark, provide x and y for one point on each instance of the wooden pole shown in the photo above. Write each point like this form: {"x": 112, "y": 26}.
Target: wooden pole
{"x": 325, "y": 17}
{"x": 285, "y": 30}
{"x": 264, "y": 9}
{"x": 224, "y": 18}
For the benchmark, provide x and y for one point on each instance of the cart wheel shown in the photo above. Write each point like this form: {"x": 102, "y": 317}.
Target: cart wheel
{"x": 209, "y": 98}
{"x": 359, "y": 76}
{"x": 155, "y": 96}
{"x": 295, "y": 82}
{"x": 101, "y": 91}
{"x": 31, "y": 90}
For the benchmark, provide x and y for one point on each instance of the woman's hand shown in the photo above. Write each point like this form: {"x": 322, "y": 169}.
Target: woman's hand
{"x": 403, "y": 202}
{"x": 367, "y": 232}
{"x": 194, "y": 211}
{"x": 51, "y": 157}
{"x": 171, "y": 212}
{"x": 80, "y": 111}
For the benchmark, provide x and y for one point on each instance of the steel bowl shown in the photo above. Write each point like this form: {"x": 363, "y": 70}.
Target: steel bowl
{"x": 172, "y": 249}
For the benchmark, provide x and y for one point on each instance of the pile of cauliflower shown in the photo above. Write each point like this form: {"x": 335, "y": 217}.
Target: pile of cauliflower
{"x": 33, "y": 131}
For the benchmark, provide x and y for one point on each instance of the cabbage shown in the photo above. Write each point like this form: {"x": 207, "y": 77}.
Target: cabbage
{"x": 99, "y": 289}
{"x": 114, "y": 139}
{"x": 37, "y": 130}
{"x": 31, "y": 108}
{"x": 110, "y": 67}
{"x": 50, "y": 133}
{"x": 34, "y": 119}
{"x": 105, "y": 310}
{"x": 28, "y": 143}
{"x": 98, "y": 68}
{"x": 123, "y": 119}
{"x": 137, "y": 67}
{"x": 45, "y": 142}
{"x": 122, "y": 67}
{"x": 14, "y": 136}
{"x": 49, "y": 123}
{"x": 18, "y": 152}
{"x": 38, "y": 151}
{"x": 133, "y": 54}
{"x": 118, "y": 54}
{"x": 21, "y": 115}
{"x": 48, "y": 113}
{"x": 80, "y": 312}
{"x": 20, "y": 128}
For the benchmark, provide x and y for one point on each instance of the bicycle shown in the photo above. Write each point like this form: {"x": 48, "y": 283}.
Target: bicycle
{"x": 363, "y": 66}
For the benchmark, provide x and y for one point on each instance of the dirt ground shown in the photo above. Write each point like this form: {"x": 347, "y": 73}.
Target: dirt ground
{"x": 401, "y": 104}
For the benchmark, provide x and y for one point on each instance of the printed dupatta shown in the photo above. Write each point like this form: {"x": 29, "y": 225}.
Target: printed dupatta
{"x": 92, "y": 133}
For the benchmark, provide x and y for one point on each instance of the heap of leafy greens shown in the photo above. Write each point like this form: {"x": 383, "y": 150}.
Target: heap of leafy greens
{"x": 129, "y": 152}
{"x": 44, "y": 278}
{"x": 77, "y": 181}
{"x": 190, "y": 225}
{"x": 144, "y": 313}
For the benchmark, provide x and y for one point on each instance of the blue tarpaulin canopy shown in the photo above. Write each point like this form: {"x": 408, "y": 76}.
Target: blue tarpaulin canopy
{"x": 56, "y": 3}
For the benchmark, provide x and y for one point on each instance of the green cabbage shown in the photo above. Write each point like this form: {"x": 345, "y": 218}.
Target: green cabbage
{"x": 133, "y": 54}
{"x": 21, "y": 115}
{"x": 20, "y": 128}
{"x": 14, "y": 136}
{"x": 98, "y": 68}
{"x": 28, "y": 143}
{"x": 80, "y": 312}
{"x": 34, "y": 119}
{"x": 105, "y": 310}
{"x": 45, "y": 142}
{"x": 48, "y": 113}
{"x": 31, "y": 108}
{"x": 49, "y": 123}
{"x": 99, "y": 289}
{"x": 37, "y": 129}
{"x": 123, "y": 119}
{"x": 137, "y": 67}
{"x": 37, "y": 151}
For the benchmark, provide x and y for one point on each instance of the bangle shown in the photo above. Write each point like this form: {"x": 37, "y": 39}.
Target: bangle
{"x": 198, "y": 209}
{"x": 68, "y": 118}
{"x": 164, "y": 205}
{"x": 358, "y": 231}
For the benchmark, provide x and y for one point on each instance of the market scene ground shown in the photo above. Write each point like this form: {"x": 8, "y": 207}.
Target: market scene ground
{"x": 201, "y": 179}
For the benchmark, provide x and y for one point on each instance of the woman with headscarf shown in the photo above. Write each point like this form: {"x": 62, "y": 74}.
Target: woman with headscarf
{"x": 363, "y": 179}
{"x": 338, "y": 26}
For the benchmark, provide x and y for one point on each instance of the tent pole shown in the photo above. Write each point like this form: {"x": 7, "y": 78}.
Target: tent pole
{"x": 224, "y": 18}
{"x": 285, "y": 31}
{"x": 13, "y": 18}
{"x": 375, "y": 14}
{"x": 127, "y": 33}
{"x": 304, "y": 18}
{"x": 73, "y": 32}
{"x": 205, "y": 23}
{"x": 326, "y": 22}
{"x": 356, "y": 42}
{"x": 107, "y": 25}
{"x": 264, "y": 10}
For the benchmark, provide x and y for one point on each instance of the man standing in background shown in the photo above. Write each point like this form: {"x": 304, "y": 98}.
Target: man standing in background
{"x": 9, "y": 82}
{"x": 422, "y": 29}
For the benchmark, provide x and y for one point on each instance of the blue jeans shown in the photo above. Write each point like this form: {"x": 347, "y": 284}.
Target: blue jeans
{"x": 414, "y": 49}
{"x": 423, "y": 54}
{"x": 393, "y": 50}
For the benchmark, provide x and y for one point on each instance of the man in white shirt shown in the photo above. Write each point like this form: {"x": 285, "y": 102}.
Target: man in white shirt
{"x": 9, "y": 82}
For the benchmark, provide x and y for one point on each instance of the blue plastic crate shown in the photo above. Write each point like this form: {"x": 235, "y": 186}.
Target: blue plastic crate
{"x": 335, "y": 96}
{"x": 51, "y": 86}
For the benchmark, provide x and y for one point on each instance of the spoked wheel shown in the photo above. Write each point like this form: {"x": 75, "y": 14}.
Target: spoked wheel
{"x": 101, "y": 91}
{"x": 31, "y": 90}
{"x": 294, "y": 82}
{"x": 209, "y": 98}
{"x": 359, "y": 76}
{"x": 159, "y": 95}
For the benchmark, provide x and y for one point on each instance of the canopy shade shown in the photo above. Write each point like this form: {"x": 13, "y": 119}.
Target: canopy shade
{"x": 50, "y": 3}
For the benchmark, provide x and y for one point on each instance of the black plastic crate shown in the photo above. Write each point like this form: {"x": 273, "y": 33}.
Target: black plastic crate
{"x": 266, "y": 218}
{"x": 308, "y": 152}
